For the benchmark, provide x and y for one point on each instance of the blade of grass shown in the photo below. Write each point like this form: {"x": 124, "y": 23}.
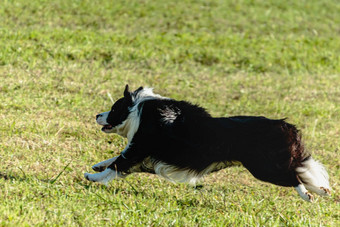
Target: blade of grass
{"x": 55, "y": 179}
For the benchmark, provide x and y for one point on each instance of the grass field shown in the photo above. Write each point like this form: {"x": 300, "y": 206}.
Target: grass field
{"x": 60, "y": 61}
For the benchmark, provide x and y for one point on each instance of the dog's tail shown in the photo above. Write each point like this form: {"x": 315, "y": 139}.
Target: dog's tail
{"x": 311, "y": 173}
{"x": 314, "y": 176}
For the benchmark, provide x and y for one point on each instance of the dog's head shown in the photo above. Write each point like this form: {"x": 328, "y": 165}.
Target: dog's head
{"x": 115, "y": 118}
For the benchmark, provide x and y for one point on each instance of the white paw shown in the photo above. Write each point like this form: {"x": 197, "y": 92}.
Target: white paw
{"x": 87, "y": 176}
{"x": 304, "y": 193}
{"x": 308, "y": 197}
{"x": 325, "y": 191}
{"x": 101, "y": 166}
{"x": 103, "y": 177}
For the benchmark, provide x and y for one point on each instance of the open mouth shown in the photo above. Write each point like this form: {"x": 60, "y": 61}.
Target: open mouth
{"x": 107, "y": 127}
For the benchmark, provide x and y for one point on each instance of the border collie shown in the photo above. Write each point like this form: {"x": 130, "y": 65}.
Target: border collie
{"x": 181, "y": 142}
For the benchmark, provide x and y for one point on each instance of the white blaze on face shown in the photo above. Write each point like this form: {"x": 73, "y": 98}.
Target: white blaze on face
{"x": 102, "y": 118}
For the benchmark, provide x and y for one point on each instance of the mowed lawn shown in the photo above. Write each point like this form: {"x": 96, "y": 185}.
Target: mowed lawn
{"x": 61, "y": 61}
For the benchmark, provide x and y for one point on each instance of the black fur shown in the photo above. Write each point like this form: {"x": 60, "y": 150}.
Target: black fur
{"x": 190, "y": 139}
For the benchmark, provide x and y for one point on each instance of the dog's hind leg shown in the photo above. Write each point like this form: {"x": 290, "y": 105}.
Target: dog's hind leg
{"x": 314, "y": 176}
{"x": 304, "y": 193}
{"x": 101, "y": 166}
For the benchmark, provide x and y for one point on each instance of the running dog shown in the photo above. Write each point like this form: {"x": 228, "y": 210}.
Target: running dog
{"x": 181, "y": 142}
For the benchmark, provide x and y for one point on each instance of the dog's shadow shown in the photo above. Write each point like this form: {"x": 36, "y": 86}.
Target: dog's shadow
{"x": 15, "y": 177}
{"x": 22, "y": 178}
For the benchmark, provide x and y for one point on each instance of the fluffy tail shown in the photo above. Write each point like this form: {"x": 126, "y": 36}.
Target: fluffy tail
{"x": 314, "y": 177}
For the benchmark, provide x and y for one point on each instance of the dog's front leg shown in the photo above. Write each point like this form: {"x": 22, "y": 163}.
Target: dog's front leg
{"x": 101, "y": 166}
{"x": 104, "y": 177}
{"x": 122, "y": 163}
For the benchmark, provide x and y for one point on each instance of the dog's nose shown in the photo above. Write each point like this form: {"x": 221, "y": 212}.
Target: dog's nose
{"x": 99, "y": 115}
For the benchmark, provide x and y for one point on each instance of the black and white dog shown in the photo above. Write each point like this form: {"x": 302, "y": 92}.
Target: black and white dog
{"x": 182, "y": 142}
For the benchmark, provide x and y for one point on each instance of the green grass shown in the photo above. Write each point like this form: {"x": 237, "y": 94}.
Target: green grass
{"x": 60, "y": 60}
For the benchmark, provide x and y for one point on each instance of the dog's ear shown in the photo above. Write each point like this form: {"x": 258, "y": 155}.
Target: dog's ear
{"x": 138, "y": 90}
{"x": 127, "y": 94}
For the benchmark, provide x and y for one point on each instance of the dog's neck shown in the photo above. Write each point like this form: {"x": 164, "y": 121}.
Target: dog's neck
{"x": 129, "y": 127}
